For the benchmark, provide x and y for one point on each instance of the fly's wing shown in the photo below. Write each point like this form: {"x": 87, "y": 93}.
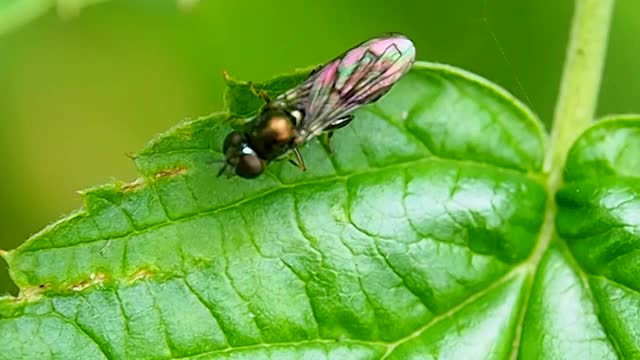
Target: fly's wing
{"x": 356, "y": 78}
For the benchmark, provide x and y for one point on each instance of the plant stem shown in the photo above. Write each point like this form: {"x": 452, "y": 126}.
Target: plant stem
{"x": 574, "y": 111}
{"x": 580, "y": 80}
{"x": 577, "y": 100}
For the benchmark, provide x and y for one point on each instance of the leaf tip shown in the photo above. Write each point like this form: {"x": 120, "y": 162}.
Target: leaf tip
{"x": 85, "y": 192}
{"x": 132, "y": 156}
{"x": 230, "y": 81}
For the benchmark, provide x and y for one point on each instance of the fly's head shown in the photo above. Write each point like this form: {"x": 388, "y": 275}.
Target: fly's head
{"x": 240, "y": 158}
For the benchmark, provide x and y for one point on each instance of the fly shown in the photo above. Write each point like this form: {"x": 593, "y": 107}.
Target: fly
{"x": 319, "y": 105}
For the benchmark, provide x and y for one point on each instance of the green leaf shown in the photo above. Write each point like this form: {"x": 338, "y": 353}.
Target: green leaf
{"x": 599, "y": 218}
{"x": 242, "y": 100}
{"x": 418, "y": 237}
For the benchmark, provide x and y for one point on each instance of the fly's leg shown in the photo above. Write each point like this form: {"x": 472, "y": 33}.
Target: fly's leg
{"x": 259, "y": 93}
{"x": 292, "y": 162}
{"x": 225, "y": 170}
{"x": 325, "y": 137}
{"x": 299, "y": 162}
{"x": 315, "y": 70}
{"x": 299, "y": 159}
{"x": 264, "y": 96}
{"x": 325, "y": 140}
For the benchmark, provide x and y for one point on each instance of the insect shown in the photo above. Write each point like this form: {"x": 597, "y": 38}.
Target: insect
{"x": 319, "y": 105}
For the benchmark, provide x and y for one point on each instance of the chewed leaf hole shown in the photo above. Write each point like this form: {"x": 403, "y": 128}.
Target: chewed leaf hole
{"x": 169, "y": 173}
{"x": 141, "y": 275}
{"x": 94, "y": 278}
{"x": 133, "y": 186}
{"x": 32, "y": 293}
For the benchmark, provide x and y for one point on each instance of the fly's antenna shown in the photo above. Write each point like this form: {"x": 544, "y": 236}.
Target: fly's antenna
{"x": 224, "y": 164}
{"x": 222, "y": 169}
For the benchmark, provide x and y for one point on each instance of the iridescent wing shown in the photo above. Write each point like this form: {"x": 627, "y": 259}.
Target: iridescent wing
{"x": 356, "y": 78}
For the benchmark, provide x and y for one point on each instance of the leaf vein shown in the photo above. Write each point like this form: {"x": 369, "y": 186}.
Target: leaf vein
{"x": 212, "y": 311}
{"x": 80, "y": 328}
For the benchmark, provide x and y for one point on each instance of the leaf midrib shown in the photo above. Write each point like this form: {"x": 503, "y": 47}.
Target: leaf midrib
{"x": 284, "y": 186}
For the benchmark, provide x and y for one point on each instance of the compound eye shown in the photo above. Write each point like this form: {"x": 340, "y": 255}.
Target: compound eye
{"x": 234, "y": 139}
{"x": 249, "y": 166}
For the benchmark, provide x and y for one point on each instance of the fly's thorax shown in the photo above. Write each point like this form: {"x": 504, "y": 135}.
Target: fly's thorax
{"x": 279, "y": 128}
{"x": 273, "y": 133}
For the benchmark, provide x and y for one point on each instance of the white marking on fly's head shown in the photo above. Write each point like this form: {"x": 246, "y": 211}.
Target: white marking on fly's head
{"x": 404, "y": 115}
{"x": 247, "y": 150}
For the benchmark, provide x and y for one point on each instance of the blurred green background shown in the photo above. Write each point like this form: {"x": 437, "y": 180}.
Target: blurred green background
{"x": 80, "y": 87}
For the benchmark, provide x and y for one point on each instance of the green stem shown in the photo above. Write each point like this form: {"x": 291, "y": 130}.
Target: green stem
{"x": 576, "y": 101}
{"x": 574, "y": 112}
{"x": 580, "y": 80}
